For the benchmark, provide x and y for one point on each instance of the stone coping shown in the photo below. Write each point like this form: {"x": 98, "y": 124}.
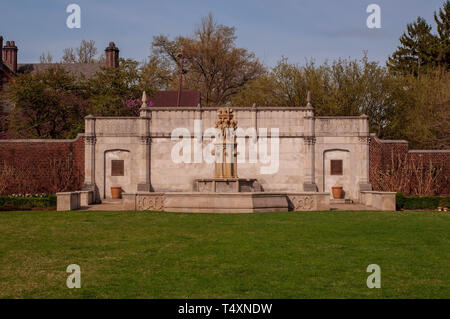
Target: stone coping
{"x": 67, "y": 193}
{"x": 429, "y": 151}
{"x": 280, "y": 135}
{"x": 308, "y": 193}
{"x": 228, "y": 193}
{"x": 210, "y": 108}
{"x": 42, "y": 140}
{"x": 348, "y": 117}
{"x": 388, "y": 141}
{"x": 213, "y": 194}
{"x": 144, "y": 193}
{"x": 377, "y": 192}
{"x": 406, "y": 142}
{"x": 225, "y": 179}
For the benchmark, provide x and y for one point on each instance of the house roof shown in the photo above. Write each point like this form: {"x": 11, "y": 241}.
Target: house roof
{"x": 169, "y": 98}
{"x": 86, "y": 69}
{"x": 4, "y": 68}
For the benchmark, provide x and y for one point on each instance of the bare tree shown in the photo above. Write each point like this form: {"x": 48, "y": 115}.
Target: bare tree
{"x": 396, "y": 177}
{"x": 63, "y": 177}
{"x": 102, "y": 58}
{"x": 69, "y": 56}
{"x": 214, "y": 64}
{"x": 428, "y": 177}
{"x": 46, "y": 57}
{"x": 86, "y": 52}
{"x": 6, "y": 174}
{"x": 411, "y": 176}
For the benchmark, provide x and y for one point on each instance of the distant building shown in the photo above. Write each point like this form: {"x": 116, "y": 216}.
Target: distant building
{"x": 9, "y": 68}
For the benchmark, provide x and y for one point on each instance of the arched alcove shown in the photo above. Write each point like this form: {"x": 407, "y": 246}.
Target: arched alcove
{"x": 338, "y": 160}
{"x": 116, "y": 170}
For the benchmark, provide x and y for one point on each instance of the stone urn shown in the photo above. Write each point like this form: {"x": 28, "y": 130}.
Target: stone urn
{"x": 115, "y": 192}
{"x": 337, "y": 191}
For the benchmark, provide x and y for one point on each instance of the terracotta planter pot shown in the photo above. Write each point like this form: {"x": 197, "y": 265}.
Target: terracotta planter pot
{"x": 115, "y": 192}
{"x": 337, "y": 191}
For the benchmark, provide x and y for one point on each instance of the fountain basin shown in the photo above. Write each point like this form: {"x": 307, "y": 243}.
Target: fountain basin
{"x": 248, "y": 202}
{"x": 227, "y": 185}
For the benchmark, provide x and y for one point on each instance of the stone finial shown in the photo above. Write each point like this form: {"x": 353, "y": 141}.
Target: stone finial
{"x": 308, "y": 98}
{"x": 145, "y": 111}
{"x": 144, "y": 99}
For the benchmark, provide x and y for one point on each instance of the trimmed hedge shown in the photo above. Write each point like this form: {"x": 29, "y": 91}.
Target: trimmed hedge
{"x": 421, "y": 202}
{"x": 26, "y": 202}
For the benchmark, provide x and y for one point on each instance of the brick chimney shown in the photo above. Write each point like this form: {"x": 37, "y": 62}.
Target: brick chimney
{"x": 1, "y": 50}
{"x": 112, "y": 56}
{"x": 10, "y": 55}
{"x": 1, "y": 62}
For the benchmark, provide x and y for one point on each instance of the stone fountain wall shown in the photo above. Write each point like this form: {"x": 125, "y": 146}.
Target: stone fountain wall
{"x": 307, "y": 143}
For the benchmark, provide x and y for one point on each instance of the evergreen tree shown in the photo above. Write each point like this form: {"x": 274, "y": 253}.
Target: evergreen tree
{"x": 442, "y": 19}
{"x": 417, "y": 50}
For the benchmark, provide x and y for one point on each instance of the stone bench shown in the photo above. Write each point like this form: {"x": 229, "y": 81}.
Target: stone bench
{"x": 378, "y": 200}
{"x": 73, "y": 200}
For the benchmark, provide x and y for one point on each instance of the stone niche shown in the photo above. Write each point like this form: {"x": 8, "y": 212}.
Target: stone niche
{"x": 117, "y": 171}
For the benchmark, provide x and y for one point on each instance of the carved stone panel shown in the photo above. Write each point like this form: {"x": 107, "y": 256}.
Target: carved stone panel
{"x": 150, "y": 202}
{"x": 302, "y": 202}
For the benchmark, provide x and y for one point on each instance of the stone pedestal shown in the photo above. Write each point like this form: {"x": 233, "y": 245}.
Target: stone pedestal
{"x": 227, "y": 185}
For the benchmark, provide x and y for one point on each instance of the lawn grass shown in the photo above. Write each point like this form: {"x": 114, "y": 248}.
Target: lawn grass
{"x": 270, "y": 255}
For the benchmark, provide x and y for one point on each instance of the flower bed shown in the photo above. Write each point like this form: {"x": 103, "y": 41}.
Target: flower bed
{"x": 421, "y": 202}
{"x": 27, "y": 202}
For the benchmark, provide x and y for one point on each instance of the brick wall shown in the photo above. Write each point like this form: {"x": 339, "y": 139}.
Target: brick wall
{"x": 48, "y": 166}
{"x": 41, "y": 166}
{"x": 392, "y": 159}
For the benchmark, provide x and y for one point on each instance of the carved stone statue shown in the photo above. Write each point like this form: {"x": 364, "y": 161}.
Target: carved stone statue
{"x": 226, "y": 147}
{"x": 225, "y": 178}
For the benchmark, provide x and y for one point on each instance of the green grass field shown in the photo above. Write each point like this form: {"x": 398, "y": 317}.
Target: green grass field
{"x": 271, "y": 255}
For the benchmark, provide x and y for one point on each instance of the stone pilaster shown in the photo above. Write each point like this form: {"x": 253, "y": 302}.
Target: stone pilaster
{"x": 309, "y": 183}
{"x": 89, "y": 151}
{"x": 144, "y": 154}
{"x": 145, "y": 142}
{"x": 364, "y": 183}
{"x": 89, "y": 156}
{"x": 364, "y": 140}
{"x": 255, "y": 120}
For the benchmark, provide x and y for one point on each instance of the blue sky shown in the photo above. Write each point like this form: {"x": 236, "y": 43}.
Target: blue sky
{"x": 296, "y": 29}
